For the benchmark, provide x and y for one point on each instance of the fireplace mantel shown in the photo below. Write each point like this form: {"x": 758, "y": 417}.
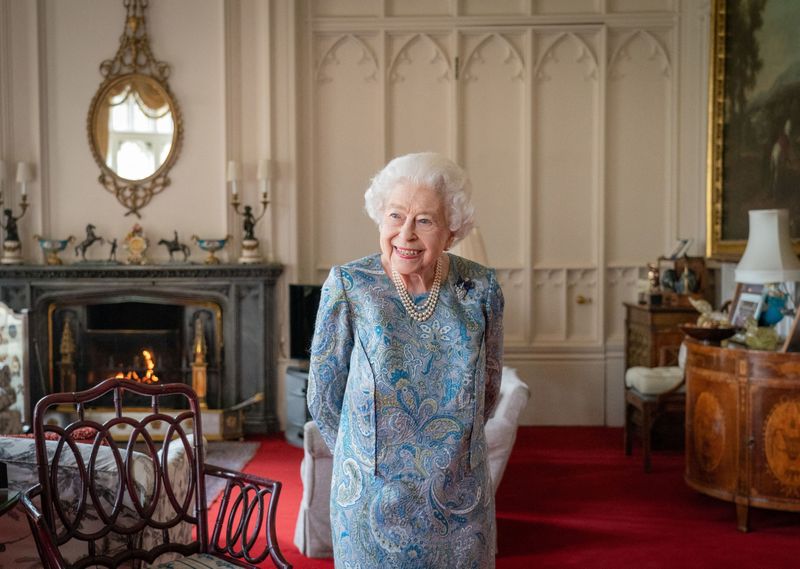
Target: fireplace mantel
{"x": 245, "y": 295}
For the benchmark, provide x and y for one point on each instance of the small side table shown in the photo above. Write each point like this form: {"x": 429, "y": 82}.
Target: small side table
{"x": 651, "y": 329}
{"x": 296, "y": 409}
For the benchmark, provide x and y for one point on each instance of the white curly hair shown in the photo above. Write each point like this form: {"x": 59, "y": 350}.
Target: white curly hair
{"x": 434, "y": 171}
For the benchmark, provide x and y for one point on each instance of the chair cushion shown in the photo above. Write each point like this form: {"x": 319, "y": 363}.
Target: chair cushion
{"x": 653, "y": 380}
{"x": 197, "y": 561}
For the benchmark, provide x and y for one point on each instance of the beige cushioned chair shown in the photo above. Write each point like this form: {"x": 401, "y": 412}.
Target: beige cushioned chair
{"x": 312, "y": 534}
{"x": 649, "y": 393}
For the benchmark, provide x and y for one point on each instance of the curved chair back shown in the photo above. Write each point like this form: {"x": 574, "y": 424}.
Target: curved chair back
{"x": 115, "y": 501}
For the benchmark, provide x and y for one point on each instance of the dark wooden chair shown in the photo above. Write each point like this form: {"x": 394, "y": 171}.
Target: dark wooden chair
{"x": 644, "y": 407}
{"x": 107, "y": 505}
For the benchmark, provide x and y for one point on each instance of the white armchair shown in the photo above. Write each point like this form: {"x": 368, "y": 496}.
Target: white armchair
{"x": 312, "y": 534}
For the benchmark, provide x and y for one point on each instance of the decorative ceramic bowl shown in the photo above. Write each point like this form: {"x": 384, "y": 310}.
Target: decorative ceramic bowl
{"x": 211, "y": 246}
{"x": 52, "y": 247}
{"x": 707, "y": 335}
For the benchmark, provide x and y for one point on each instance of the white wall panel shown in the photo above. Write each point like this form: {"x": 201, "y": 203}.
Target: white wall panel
{"x": 582, "y": 305}
{"x": 564, "y": 150}
{"x": 347, "y": 145}
{"x": 493, "y": 7}
{"x": 621, "y": 286}
{"x": 564, "y": 391}
{"x": 641, "y": 5}
{"x": 562, "y": 7}
{"x": 345, "y": 8}
{"x": 420, "y": 78}
{"x": 615, "y": 389}
{"x": 516, "y": 317}
{"x": 638, "y": 159}
{"x": 418, "y": 7}
{"x": 493, "y": 139}
{"x": 549, "y": 308}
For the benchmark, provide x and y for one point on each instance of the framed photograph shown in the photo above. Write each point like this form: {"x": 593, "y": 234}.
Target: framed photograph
{"x": 754, "y": 119}
{"x": 748, "y": 304}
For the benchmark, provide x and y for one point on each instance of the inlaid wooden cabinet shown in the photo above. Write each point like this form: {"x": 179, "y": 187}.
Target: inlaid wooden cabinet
{"x": 743, "y": 427}
{"x": 650, "y": 329}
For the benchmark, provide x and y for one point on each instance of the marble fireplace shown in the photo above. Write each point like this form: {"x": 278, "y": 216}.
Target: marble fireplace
{"x": 89, "y": 322}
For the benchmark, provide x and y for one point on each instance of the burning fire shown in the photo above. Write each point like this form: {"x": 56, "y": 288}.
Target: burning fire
{"x": 149, "y": 375}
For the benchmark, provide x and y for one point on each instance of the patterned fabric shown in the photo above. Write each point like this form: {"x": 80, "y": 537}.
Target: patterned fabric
{"x": 198, "y": 561}
{"x": 402, "y": 406}
{"x": 20, "y": 456}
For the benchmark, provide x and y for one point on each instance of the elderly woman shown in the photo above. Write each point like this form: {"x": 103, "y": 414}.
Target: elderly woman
{"x": 405, "y": 370}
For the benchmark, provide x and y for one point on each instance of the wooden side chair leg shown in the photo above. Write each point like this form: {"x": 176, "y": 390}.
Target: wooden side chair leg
{"x": 647, "y": 428}
{"x": 627, "y": 433}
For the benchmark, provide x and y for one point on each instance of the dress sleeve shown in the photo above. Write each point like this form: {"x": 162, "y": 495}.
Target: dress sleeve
{"x": 494, "y": 344}
{"x": 330, "y": 357}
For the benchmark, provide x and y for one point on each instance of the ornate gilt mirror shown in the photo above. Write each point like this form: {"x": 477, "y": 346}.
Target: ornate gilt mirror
{"x": 134, "y": 125}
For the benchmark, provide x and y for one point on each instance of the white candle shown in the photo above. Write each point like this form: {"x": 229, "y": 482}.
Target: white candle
{"x": 233, "y": 175}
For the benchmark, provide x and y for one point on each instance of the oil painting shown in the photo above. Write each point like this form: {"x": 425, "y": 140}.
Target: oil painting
{"x": 754, "y": 129}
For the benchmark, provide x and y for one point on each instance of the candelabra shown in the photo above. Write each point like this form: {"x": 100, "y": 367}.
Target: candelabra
{"x": 12, "y": 248}
{"x": 250, "y": 244}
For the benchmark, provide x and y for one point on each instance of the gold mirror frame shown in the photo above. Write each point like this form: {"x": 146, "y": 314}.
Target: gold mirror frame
{"x": 134, "y": 58}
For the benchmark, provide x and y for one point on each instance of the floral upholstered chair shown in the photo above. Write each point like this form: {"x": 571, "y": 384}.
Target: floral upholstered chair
{"x": 106, "y": 505}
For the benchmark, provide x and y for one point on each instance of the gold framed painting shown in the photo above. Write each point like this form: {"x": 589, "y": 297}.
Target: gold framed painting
{"x": 754, "y": 119}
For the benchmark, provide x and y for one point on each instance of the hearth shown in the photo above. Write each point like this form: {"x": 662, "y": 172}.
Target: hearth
{"x": 90, "y": 322}
{"x": 94, "y": 339}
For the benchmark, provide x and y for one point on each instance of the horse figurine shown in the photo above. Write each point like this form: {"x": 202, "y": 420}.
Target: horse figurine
{"x": 176, "y": 245}
{"x": 81, "y": 247}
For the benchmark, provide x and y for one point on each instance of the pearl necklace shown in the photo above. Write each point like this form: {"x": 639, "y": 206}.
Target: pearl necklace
{"x": 420, "y": 314}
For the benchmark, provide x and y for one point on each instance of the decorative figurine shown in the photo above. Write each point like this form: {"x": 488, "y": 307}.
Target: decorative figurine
{"x": 12, "y": 248}
{"x": 112, "y": 254}
{"x": 12, "y": 234}
{"x": 211, "y": 246}
{"x": 136, "y": 244}
{"x": 653, "y": 276}
{"x": 250, "y": 245}
{"x": 654, "y": 296}
{"x": 176, "y": 245}
{"x": 52, "y": 247}
{"x": 91, "y": 239}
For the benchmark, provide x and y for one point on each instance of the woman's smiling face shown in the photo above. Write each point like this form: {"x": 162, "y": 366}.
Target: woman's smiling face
{"x": 414, "y": 230}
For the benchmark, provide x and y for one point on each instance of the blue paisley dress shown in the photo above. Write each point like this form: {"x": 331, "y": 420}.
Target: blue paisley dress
{"x": 402, "y": 406}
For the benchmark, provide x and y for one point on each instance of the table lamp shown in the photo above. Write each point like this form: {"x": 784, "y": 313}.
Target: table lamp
{"x": 471, "y": 247}
{"x": 770, "y": 260}
{"x": 768, "y": 257}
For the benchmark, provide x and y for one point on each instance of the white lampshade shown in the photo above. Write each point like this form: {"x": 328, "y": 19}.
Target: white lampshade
{"x": 472, "y": 247}
{"x": 264, "y": 171}
{"x": 24, "y": 172}
{"x": 233, "y": 171}
{"x": 768, "y": 257}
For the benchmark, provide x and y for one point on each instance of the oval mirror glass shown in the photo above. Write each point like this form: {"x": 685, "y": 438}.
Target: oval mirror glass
{"x": 133, "y": 126}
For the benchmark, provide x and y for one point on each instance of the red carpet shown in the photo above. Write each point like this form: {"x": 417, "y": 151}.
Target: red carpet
{"x": 570, "y": 498}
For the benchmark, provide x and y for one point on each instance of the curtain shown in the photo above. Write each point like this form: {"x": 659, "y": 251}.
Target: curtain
{"x": 151, "y": 99}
